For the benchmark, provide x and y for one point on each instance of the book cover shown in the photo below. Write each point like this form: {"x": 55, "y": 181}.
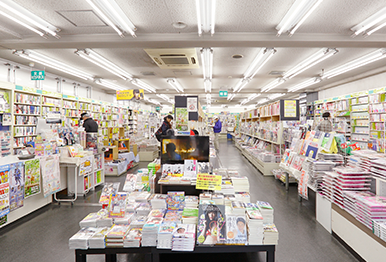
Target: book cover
{"x": 16, "y": 185}
{"x": 236, "y": 230}
{"x": 175, "y": 200}
{"x": 117, "y": 204}
{"x": 312, "y": 150}
{"x": 326, "y": 141}
{"x": 32, "y": 177}
{"x": 190, "y": 168}
{"x": 211, "y": 227}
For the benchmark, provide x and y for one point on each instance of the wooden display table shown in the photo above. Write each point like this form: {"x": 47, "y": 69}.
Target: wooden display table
{"x": 152, "y": 254}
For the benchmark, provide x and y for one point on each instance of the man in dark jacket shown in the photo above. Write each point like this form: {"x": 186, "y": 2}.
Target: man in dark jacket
{"x": 166, "y": 125}
{"x": 90, "y": 126}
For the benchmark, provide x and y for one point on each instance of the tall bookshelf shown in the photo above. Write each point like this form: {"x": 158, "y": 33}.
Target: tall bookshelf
{"x": 360, "y": 119}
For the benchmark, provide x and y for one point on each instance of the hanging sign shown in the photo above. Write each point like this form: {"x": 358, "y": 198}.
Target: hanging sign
{"x": 223, "y": 93}
{"x": 133, "y": 94}
{"x": 38, "y": 75}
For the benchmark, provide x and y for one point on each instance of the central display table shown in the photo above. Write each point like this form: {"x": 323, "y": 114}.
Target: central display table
{"x": 152, "y": 254}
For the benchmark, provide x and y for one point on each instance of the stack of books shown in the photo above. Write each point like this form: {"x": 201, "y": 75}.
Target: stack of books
{"x": 89, "y": 221}
{"x": 80, "y": 239}
{"x": 104, "y": 220}
{"x": 165, "y": 235}
{"x": 350, "y": 201}
{"x": 98, "y": 239}
{"x": 218, "y": 199}
{"x": 240, "y": 184}
{"x": 271, "y": 235}
{"x": 226, "y": 187}
{"x": 266, "y": 211}
{"x": 190, "y": 215}
{"x": 205, "y": 198}
{"x": 228, "y": 199}
{"x": 371, "y": 208}
{"x": 142, "y": 197}
{"x": 379, "y": 229}
{"x": 158, "y": 201}
{"x": 126, "y": 220}
{"x": 236, "y": 230}
{"x": 173, "y": 216}
{"x": 243, "y": 197}
{"x": 150, "y": 231}
{"x": 115, "y": 236}
{"x": 255, "y": 227}
{"x": 184, "y": 236}
{"x": 191, "y": 201}
{"x": 238, "y": 208}
{"x": 143, "y": 209}
{"x": 378, "y": 168}
{"x": 138, "y": 221}
{"x": 133, "y": 237}
{"x": 131, "y": 206}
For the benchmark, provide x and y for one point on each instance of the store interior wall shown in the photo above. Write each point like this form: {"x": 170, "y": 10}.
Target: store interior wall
{"x": 23, "y": 78}
{"x": 364, "y": 84}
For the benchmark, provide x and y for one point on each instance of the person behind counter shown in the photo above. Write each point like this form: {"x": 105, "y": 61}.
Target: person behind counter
{"x": 90, "y": 126}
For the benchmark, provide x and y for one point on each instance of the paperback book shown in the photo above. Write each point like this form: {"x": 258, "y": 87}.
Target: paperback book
{"x": 211, "y": 227}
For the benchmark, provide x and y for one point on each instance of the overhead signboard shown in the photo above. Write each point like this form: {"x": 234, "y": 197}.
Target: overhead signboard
{"x": 133, "y": 94}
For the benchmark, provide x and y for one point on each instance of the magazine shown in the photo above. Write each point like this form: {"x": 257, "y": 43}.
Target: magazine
{"x": 211, "y": 224}
{"x": 236, "y": 230}
{"x": 190, "y": 167}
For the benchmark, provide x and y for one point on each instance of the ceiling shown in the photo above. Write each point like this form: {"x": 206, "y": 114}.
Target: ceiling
{"x": 242, "y": 27}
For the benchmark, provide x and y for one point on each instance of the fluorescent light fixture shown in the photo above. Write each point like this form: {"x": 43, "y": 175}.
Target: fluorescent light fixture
{"x": 274, "y": 96}
{"x": 262, "y": 101}
{"x": 110, "y": 12}
{"x": 174, "y": 83}
{"x": 250, "y": 98}
{"x": 206, "y": 13}
{"x": 296, "y": 15}
{"x": 55, "y": 64}
{"x": 262, "y": 57}
{"x": 208, "y": 99}
{"x": 152, "y": 101}
{"x": 108, "y": 84}
{"x": 166, "y": 98}
{"x": 305, "y": 84}
{"x": 316, "y": 58}
{"x": 207, "y": 62}
{"x": 102, "y": 62}
{"x": 361, "y": 61}
{"x": 208, "y": 85}
{"x": 371, "y": 24}
{"x": 231, "y": 96}
{"x": 143, "y": 85}
{"x": 273, "y": 84}
{"x": 244, "y": 101}
{"x": 241, "y": 84}
{"x": 22, "y": 16}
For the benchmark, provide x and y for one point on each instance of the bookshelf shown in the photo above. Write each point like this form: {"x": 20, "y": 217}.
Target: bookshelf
{"x": 360, "y": 119}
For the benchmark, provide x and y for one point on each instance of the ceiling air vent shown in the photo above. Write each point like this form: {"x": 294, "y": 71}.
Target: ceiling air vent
{"x": 174, "y": 58}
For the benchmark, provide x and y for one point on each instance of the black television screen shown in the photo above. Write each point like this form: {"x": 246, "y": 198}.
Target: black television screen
{"x": 175, "y": 150}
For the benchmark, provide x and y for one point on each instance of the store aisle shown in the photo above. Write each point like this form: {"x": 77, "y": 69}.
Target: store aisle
{"x": 301, "y": 237}
{"x": 44, "y": 235}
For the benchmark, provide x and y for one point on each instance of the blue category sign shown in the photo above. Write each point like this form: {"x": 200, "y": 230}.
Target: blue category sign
{"x": 38, "y": 75}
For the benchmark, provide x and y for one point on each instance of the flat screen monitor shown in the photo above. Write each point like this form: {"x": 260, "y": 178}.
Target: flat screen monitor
{"x": 174, "y": 150}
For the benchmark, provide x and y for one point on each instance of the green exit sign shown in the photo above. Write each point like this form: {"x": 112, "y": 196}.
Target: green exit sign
{"x": 37, "y": 75}
{"x": 223, "y": 93}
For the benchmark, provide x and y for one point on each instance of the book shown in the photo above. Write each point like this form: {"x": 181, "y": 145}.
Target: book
{"x": 312, "y": 150}
{"x": 184, "y": 236}
{"x": 175, "y": 200}
{"x": 190, "y": 168}
{"x": 327, "y": 141}
{"x": 133, "y": 237}
{"x": 117, "y": 204}
{"x": 236, "y": 230}
{"x": 211, "y": 225}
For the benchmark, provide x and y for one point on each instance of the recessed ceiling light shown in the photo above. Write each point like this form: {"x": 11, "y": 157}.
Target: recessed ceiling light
{"x": 179, "y": 25}
{"x": 229, "y": 77}
{"x": 238, "y": 56}
{"x": 277, "y": 73}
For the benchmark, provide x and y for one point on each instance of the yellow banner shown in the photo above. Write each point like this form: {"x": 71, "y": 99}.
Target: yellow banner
{"x": 208, "y": 182}
{"x": 134, "y": 94}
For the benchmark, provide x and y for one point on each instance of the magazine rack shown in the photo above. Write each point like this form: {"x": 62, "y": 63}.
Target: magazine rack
{"x": 152, "y": 254}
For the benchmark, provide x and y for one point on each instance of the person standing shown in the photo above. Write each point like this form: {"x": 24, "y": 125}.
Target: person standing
{"x": 217, "y": 129}
{"x": 90, "y": 126}
{"x": 326, "y": 124}
{"x": 166, "y": 125}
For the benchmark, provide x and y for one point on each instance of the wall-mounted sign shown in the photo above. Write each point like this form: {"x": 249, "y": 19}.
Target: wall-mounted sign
{"x": 223, "y": 93}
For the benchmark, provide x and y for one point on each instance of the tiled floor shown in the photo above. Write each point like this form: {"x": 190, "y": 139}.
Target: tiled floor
{"x": 44, "y": 235}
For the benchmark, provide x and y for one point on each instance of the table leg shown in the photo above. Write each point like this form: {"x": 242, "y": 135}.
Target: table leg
{"x": 271, "y": 255}
{"x": 286, "y": 181}
{"x": 79, "y": 257}
{"x": 111, "y": 257}
{"x": 149, "y": 257}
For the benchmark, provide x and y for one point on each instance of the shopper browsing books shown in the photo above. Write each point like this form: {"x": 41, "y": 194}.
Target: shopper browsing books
{"x": 90, "y": 126}
{"x": 163, "y": 130}
{"x": 217, "y": 129}
{"x": 325, "y": 125}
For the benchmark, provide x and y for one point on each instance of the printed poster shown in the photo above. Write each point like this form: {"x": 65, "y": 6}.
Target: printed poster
{"x": 16, "y": 186}
{"x": 303, "y": 185}
{"x": 4, "y": 190}
{"x": 192, "y": 104}
{"x": 208, "y": 182}
{"x": 32, "y": 177}
{"x": 85, "y": 166}
{"x": 50, "y": 175}
{"x": 133, "y": 94}
{"x": 182, "y": 119}
{"x": 289, "y": 108}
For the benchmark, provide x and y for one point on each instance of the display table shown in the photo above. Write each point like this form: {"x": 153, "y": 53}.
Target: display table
{"x": 148, "y": 156}
{"x": 152, "y": 254}
{"x": 188, "y": 189}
